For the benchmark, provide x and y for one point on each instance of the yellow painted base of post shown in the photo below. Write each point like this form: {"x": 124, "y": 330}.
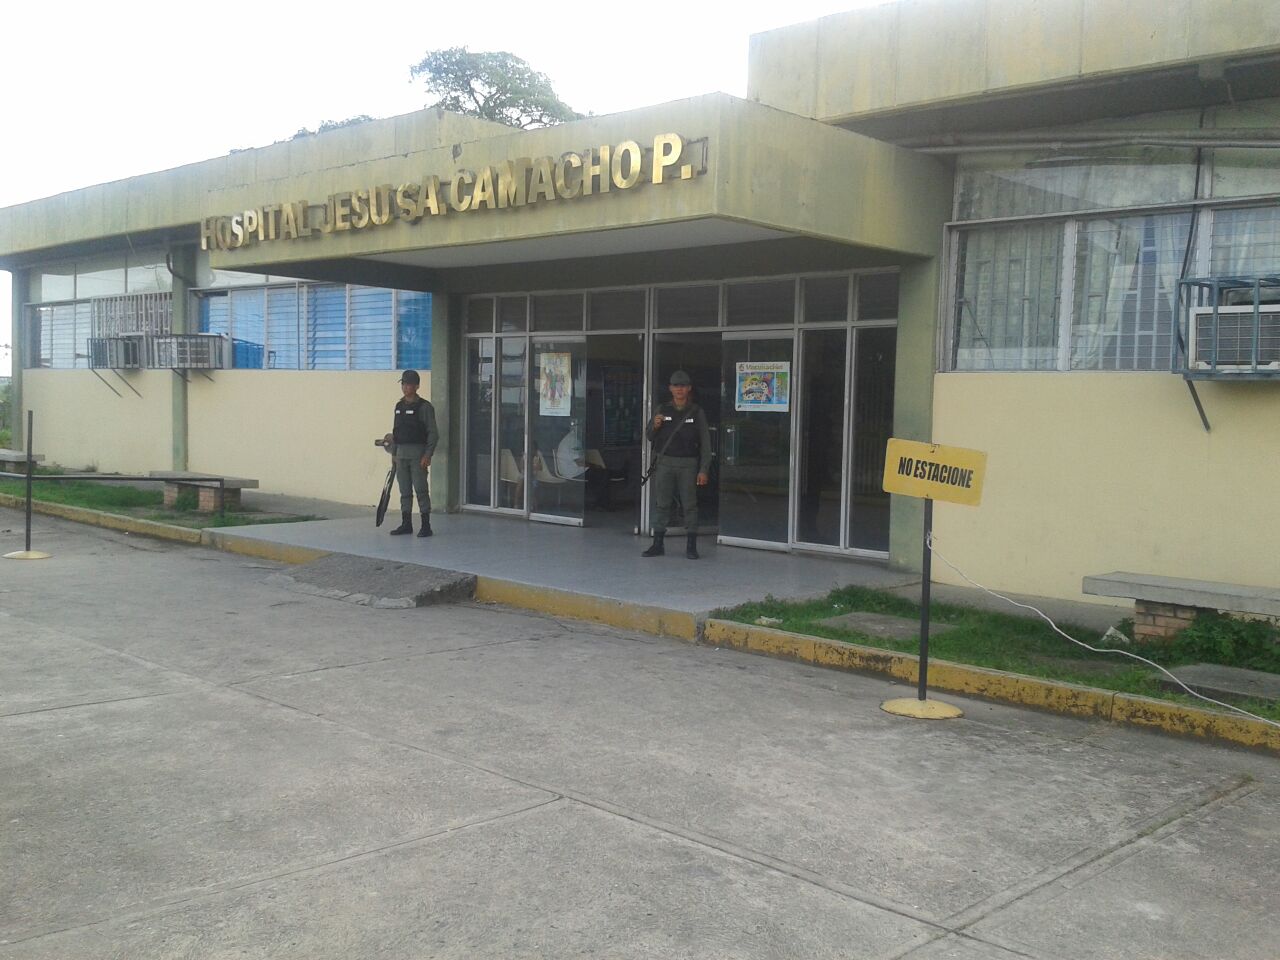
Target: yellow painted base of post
{"x": 921, "y": 709}
{"x": 28, "y": 555}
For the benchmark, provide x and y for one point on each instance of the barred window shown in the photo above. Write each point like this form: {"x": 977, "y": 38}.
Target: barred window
{"x": 1006, "y": 304}
{"x": 1126, "y": 291}
{"x": 1120, "y": 275}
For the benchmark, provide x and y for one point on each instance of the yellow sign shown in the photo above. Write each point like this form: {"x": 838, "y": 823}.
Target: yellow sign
{"x": 934, "y": 472}
{"x": 510, "y": 184}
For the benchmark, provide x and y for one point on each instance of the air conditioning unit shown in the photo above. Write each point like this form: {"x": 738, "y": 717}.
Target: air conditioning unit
{"x": 191, "y": 351}
{"x": 1235, "y": 335}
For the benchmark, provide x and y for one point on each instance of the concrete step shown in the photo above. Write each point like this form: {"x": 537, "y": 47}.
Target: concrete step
{"x": 377, "y": 583}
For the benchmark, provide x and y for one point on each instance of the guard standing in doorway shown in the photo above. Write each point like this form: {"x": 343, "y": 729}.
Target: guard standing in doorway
{"x": 681, "y": 458}
{"x": 413, "y": 440}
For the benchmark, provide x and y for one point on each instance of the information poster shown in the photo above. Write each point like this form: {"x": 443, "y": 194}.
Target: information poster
{"x": 555, "y": 384}
{"x": 763, "y": 385}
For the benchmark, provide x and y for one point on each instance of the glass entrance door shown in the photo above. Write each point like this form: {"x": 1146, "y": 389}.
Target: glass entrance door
{"x": 614, "y": 433}
{"x": 697, "y": 354}
{"x": 755, "y": 417}
{"x": 871, "y": 426}
{"x": 557, "y": 474}
{"x": 820, "y": 448}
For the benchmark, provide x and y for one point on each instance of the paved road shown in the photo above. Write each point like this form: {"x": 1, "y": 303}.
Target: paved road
{"x": 197, "y": 763}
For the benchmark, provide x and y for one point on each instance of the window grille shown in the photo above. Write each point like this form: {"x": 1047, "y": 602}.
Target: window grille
{"x": 1007, "y": 297}
{"x": 1102, "y": 293}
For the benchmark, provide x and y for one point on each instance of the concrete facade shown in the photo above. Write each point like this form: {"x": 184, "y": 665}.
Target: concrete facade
{"x": 925, "y": 52}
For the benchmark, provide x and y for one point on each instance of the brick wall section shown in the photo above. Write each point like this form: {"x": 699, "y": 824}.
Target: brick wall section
{"x": 1160, "y": 621}
{"x": 209, "y": 499}
{"x": 206, "y": 497}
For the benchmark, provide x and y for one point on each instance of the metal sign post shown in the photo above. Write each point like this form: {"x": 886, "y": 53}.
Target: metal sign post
{"x": 926, "y": 575}
{"x": 28, "y": 553}
{"x": 930, "y": 472}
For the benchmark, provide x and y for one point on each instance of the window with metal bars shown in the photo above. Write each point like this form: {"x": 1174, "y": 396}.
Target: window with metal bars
{"x": 1098, "y": 293}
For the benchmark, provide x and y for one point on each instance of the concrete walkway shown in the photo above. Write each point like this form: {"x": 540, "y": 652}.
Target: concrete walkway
{"x": 606, "y": 563}
{"x": 196, "y": 763}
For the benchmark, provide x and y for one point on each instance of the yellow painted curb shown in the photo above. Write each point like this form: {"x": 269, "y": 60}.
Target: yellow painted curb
{"x": 219, "y": 539}
{"x": 580, "y": 606}
{"x": 110, "y": 521}
{"x": 1051, "y": 695}
{"x": 1055, "y": 695}
{"x": 1194, "y": 722}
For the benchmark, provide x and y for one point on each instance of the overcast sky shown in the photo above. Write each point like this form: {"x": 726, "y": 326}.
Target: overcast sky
{"x": 96, "y": 91}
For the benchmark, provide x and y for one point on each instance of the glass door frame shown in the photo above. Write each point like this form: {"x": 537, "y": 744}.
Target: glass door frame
{"x": 843, "y": 549}
{"x": 788, "y": 333}
{"x": 495, "y": 414}
{"x": 532, "y": 339}
{"x": 849, "y": 438}
{"x": 651, "y": 401}
{"x": 846, "y": 452}
{"x": 651, "y": 330}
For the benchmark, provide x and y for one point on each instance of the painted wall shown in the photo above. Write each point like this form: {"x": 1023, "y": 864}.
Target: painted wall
{"x": 308, "y": 433}
{"x": 1094, "y": 472}
{"x": 80, "y": 422}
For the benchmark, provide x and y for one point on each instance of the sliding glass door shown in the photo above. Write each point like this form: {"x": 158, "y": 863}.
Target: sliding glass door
{"x": 557, "y": 420}
{"x": 755, "y": 419}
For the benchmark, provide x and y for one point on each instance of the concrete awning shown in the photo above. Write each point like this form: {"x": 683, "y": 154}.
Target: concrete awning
{"x": 731, "y": 172}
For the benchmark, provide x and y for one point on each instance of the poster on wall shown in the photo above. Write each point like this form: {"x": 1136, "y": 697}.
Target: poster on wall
{"x": 763, "y": 385}
{"x": 555, "y": 384}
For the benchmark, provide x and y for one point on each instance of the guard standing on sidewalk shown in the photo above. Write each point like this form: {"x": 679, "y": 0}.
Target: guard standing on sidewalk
{"x": 682, "y": 456}
{"x": 413, "y": 440}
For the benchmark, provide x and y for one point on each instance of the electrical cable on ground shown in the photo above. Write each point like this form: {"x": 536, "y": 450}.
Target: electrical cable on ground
{"x": 1111, "y": 631}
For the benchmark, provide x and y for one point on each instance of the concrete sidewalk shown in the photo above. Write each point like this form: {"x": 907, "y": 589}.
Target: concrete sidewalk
{"x": 197, "y": 763}
{"x": 606, "y": 563}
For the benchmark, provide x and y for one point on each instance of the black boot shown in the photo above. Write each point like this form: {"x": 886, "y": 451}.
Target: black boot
{"x": 691, "y": 546}
{"x": 655, "y": 548}
{"x": 425, "y": 529}
{"x": 406, "y": 525}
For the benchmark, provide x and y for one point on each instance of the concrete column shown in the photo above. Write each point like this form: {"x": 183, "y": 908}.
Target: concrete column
{"x": 183, "y": 260}
{"x": 913, "y": 396}
{"x": 17, "y": 359}
{"x": 447, "y": 377}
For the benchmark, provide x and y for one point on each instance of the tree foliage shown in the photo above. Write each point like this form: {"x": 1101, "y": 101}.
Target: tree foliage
{"x": 493, "y": 86}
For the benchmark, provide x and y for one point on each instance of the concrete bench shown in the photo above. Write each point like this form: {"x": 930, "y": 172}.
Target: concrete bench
{"x": 1165, "y": 605}
{"x": 206, "y": 488}
{"x": 15, "y": 461}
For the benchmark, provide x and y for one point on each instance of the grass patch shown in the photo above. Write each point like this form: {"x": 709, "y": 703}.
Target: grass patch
{"x": 144, "y": 504}
{"x": 1018, "y": 645}
{"x": 81, "y": 493}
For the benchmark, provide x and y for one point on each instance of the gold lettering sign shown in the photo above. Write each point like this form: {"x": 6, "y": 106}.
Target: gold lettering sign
{"x": 509, "y": 185}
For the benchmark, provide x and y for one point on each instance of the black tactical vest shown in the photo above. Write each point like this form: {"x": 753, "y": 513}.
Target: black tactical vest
{"x": 686, "y": 442}
{"x": 409, "y": 427}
